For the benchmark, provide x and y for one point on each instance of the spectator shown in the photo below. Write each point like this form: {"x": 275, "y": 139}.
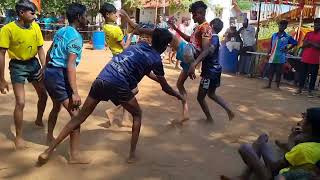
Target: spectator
{"x": 278, "y": 51}
{"x": 310, "y": 59}
{"x": 247, "y": 33}
{"x": 162, "y": 23}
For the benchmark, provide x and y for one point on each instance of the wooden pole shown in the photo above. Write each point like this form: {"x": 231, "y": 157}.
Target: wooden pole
{"x": 300, "y": 24}
{"x": 258, "y": 28}
{"x": 156, "y": 14}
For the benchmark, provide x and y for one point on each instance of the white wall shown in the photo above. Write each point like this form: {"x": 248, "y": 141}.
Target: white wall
{"x": 226, "y": 14}
{"x": 147, "y": 15}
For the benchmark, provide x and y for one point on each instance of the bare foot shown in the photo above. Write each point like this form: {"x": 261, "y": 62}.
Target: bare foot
{"x": 223, "y": 177}
{"x": 39, "y": 123}
{"x": 78, "y": 159}
{"x": 266, "y": 87}
{"x": 110, "y": 114}
{"x": 106, "y": 124}
{"x": 231, "y": 115}
{"x": 132, "y": 159}
{"x": 176, "y": 122}
{"x": 44, "y": 157}
{"x": 20, "y": 144}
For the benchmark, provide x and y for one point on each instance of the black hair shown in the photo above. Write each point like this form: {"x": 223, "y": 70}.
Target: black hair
{"x": 107, "y": 8}
{"x": 160, "y": 39}
{"x": 197, "y": 5}
{"x": 217, "y": 25}
{"x": 313, "y": 117}
{"x": 283, "y": 22}
{"x": 316, "y": 20}
{"x": 75, "y": 10}
{"x": 25, "y": 5}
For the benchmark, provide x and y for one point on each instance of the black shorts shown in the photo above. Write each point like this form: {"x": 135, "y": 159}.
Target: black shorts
{"x": 210, "y": 83}
{"x": 102, "y": 90}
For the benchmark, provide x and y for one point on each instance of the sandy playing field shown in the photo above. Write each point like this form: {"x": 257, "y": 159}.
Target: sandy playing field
{"x": 196, "y": 151}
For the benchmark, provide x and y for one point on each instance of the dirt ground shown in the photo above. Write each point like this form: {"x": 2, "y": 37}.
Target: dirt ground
{"x": 196, "y": 151}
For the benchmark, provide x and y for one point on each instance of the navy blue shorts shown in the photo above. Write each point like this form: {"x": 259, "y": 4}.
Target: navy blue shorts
{"x": 210, "y": 83}
{"x": 102, "y": 90}
{"x": 57, "y": 83}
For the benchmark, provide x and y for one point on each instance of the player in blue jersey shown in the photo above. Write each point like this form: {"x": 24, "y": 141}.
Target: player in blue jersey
{"x": 115, "y": 82}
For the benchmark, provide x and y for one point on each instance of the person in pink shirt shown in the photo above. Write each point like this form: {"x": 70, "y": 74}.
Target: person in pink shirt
{"x": 310, "y": 58}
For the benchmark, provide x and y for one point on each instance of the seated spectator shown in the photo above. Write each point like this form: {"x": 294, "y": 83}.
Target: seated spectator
{"x": 301, "y": 160}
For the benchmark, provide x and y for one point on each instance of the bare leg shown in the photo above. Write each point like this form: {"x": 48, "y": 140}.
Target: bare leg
{"x": 251, "y": 155}
{"x": 219, "y": 100}
{"x": 88, "y": 106}
{"x": 180, "y": 85}
{"x": 19, "y": 94}
{"x": 133, "y": 108}
{"x": 42, "y": 102}
{"x": 52, "y": 120}
{"x": 204, "y": 106}
{"x": 75, "y": 155}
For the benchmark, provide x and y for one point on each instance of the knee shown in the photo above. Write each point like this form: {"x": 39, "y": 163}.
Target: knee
{"x": 137, "y": 113}
{"x": 244, "y": 148}
{"x": 20, "y": 104}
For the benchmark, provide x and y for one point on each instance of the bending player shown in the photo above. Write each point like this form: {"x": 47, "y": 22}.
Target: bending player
{"x": 115, "y": 82}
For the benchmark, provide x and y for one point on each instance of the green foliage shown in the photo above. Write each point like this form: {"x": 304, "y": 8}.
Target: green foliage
{"x": 244, "y": 5}
{"x": 267, "y": 30}
{"x": 7, "y": 4}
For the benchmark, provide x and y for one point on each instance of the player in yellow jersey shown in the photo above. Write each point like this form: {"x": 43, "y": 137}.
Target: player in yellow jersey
{"x": 23, "y": 41}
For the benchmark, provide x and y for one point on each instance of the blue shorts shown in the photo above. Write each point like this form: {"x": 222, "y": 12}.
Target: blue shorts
{"x": 102, "y": 90}
{"x": 180, "y": 57}
{"x": 57, "y": 83}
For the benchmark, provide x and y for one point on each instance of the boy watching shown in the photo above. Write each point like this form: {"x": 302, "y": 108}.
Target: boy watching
{"x": 210, "y": 73}
{"x": 278, "y": 52}
{"x": 60, "y": 75}
{"x": 23, "y": 40}
{"x": 115, "y": 82}
{"x": 116, "y": 43}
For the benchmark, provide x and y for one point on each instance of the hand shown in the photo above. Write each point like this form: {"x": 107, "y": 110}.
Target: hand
{"x": 4, "y": 86}
{"x": 76, "y": 101}
{"x": 122, "y": 13}
{"x": 171, "y": 23}
{"x": 191, "y": 71}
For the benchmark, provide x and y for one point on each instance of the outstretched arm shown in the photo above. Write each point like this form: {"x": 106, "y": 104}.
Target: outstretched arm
{"x": 165, "y": 86}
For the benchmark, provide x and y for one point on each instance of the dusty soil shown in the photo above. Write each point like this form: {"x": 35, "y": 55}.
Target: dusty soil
{"x": 196, "y": 151}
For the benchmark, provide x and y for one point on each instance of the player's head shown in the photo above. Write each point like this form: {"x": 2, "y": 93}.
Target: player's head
{"x": 283, "y": 24}
{"x": 109, "y": 12}
{"x": 25, "y": 10}
{"x": 160, "y": 39}
{"x": 311, "y": 122}
{"x": 316, "y": 24}
{"x": 198, "y": 10}
{"x": 217, "y": 25}
{"x": 76, "y": 13}
{"x": 245, "y": 23}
